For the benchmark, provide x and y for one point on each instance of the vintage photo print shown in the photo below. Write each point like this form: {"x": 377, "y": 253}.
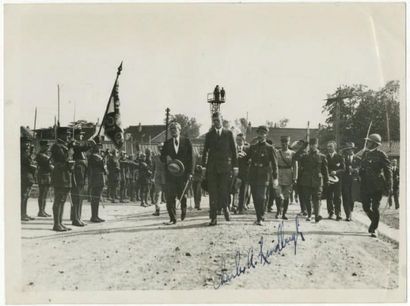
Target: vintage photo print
{"x": 205, "y": 152}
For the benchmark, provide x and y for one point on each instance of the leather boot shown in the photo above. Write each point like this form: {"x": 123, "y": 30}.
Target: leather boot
{"x": 98, "y": 218}
{"x": 279, "y": 203}
{"x": 93, "y": 213}
{"x": 226, "y": 214}
{"x": 285, "y": 208}
{"x": 56, "y": 216}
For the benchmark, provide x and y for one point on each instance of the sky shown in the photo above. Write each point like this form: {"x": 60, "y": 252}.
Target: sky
{"x": 274, "y": 60}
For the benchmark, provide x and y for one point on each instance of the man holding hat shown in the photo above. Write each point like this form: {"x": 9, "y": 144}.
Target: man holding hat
{"x": 61, "y": 178}
{"x": 220, "y": 159}
{"x": 177, "y": 153}
{"x": 288, "y": 171}
{"x": 350, "y": 177}
{"x": 28, "y": 170}
{"x": 336, "y": 166}
{"x": 313, "y": 177}
{"x": 44, "y": 168}
{"x": 263, "y": 167}
{"x": 376, "y": 178}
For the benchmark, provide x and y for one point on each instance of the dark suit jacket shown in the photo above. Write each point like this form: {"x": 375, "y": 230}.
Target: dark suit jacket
{"x": 335, "y": 163}
{"x": 219, "y": 155}
{"x": 263, "y": 164}
{"x": 185, "y": 155}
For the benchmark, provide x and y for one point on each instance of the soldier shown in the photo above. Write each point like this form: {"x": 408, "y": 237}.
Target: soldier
{"x": 113, "y": 167}
{"x": 396, "y": 183}
{"x": 222, "y": 94}
{"x": 220, "y": 159}
{"x": 263, "y": 166}
{"x": 216, "y": 93}
{"x": 61, "y": 178}
{"x": 144, "y": 179}
{"x": 130, "y": 177}
{"x": 123, "y": 177}
{"x": 28, "y": 170}
{"x": 288, "y": 171}
{"x": 96, "y": 180}
{"x": 79, "y": 177}
{"x": 336, "y": 167}
{"x": 313, "y": 177}
{"x": 376, "y": 177}
{"x": 159, "y": 179}
{"x": 149, "y": 161}
{"x": 44, "y": 168}
{"x": 350, "y": 178}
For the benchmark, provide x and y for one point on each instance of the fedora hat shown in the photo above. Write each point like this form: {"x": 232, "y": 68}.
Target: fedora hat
{"x": 176, "y": 167}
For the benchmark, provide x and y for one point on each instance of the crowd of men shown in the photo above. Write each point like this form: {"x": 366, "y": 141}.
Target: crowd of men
{"x": 230, "y": 170}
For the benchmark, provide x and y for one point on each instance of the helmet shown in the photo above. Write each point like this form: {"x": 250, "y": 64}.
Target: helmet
{"x": 376, "y": 138}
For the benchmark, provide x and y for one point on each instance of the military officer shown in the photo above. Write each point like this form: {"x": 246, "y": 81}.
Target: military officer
{"x": 113, "y": 166}
{"x": 79, "y": 176}
{"x": 313, "y": 177}
{"x": 44, "y": 169}
{"x": 27, "y": 175}
{"x": 123, "y": 177}
{"x": 61, "y": 178}
{"x": 96, "y": 180}
{"x": 336, "y": 167}
{"x": 376, "y": 178}
{"x": 288, "y": 171}
{"x": 263, "y": 161}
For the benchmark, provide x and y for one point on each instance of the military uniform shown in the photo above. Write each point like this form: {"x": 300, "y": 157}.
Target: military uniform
{"x": 313, "y": 176}
{"x": 61, "y": 179}
{"x": 263, "y": 161}
{"x": 376, "y": 178}
{"x": 96, "y": 180}
{"x": 44, "y": 168}
{"x": 287, "y": 175}
{"x": 123, "y": 179}
{"x": 113, "y": 167}
{"x": 159, "y": 181}
{"x": 79, "y": 180}
{"x": 27, "y": 176}
{"x": 396, "y": 184}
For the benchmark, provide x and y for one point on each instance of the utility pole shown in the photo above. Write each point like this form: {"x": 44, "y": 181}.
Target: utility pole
{"x": 58, "y": 101}
{"x": 166, "y": 122}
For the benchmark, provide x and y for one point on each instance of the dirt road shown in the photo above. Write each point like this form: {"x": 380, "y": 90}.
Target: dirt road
{"x": 134, "y": 250}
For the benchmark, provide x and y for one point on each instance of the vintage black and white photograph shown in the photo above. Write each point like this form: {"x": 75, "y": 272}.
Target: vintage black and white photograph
{"x": 205, "y": 152}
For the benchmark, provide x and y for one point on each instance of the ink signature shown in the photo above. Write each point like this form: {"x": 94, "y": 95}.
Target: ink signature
{"x": 252, "y": 259}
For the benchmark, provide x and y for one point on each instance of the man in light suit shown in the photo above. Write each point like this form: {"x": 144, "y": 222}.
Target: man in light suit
{"x": 220, "y": 159}
{"x": 177, "y": 148}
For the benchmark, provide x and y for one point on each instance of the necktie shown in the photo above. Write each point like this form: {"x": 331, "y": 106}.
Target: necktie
{"x": 176, "y": 142}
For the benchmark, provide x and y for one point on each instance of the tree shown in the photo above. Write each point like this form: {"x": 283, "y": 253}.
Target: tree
{"x": 283, "y": 122}
{"x": 189, "y": 126}
{"x": 360, "y": 106}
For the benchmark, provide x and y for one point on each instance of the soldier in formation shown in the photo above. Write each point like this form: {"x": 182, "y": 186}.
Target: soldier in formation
{"x": 44, "y": 169}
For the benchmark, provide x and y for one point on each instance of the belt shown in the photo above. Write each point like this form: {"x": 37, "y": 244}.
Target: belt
{"x": 259, "y": 165}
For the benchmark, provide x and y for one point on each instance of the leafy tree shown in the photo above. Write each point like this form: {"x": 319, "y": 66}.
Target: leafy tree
{"x": 189, "y": 126}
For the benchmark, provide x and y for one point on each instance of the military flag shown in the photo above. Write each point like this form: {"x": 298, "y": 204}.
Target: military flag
{"x": 112, "y": 119}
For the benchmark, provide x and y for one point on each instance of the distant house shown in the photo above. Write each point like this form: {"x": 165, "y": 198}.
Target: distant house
{"x": 145, "y": 133}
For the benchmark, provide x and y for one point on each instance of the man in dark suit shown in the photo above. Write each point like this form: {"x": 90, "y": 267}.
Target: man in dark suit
{"x": 61, "y": 155}
{"x": 376, "y": 178}
{"x": 177, "y": 148}
{"x": 243, "y": 166}
{"x": 350, "y": 177}
{"x": 263, "y": 168}
{"x": 313, "y": 177}
{"x": 396, "y": 183}
{"x": 336, "y": 166}
{"x": 220, "y": 159}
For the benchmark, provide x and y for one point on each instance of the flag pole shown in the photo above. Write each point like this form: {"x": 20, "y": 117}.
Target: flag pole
{"x": 58, "y": 101}
{"x": 106, "y": 109}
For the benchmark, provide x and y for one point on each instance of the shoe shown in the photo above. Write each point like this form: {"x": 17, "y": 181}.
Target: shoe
{"x": 183, "y": 217}
{"x": 66, "y": 228}
{"x": 156, "y": 213}
{"x": 330, "y": 216}
{"x": 25, "y": 218}
{"x": 213, "y": 222}
{"x": 304, "y": 213}
{"x": 318, "y": 218}
{"x": 170, "y": 223}
{"x": 59, "y": 228}
{"x": 100, "y": 220}
{"x": 77, "y": 223}
{"x": 338, "y": 218}
{"x": 47, "y": 215}
{"x": 308, "y": 219}
{"x": 30, "y": 218}
{"x": 348, "y": 219}
{"x": 42, "y": 214}
{"x": 284, "y": 218}
{"x": 199, "y": 208}
{"x": 374, "y": 235}
{"x": 258, "y": 222}
{"x": 94, "y": 220}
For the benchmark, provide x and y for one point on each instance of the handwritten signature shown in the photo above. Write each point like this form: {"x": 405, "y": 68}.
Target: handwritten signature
{"x": 252, "y": 259}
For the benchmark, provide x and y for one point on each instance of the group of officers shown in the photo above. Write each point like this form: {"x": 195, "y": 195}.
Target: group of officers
{"x": 230, "y": 170}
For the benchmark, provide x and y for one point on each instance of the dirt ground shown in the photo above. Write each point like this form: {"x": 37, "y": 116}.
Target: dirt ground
{"x": 133, "y": 250}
